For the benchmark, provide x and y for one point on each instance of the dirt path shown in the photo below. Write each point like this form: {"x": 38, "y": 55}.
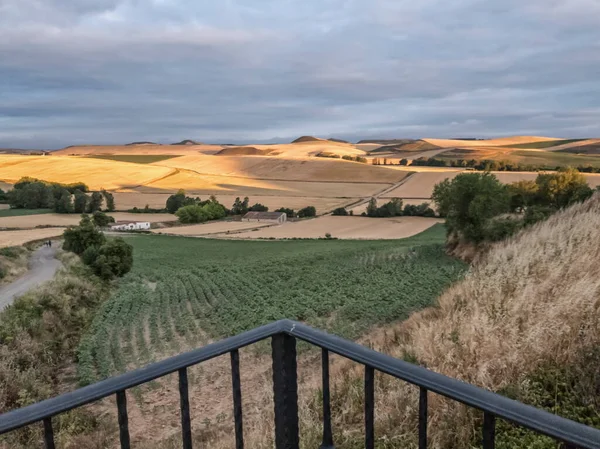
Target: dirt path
{"x": 42, "y": 267}
{"x": 378, "y": 194}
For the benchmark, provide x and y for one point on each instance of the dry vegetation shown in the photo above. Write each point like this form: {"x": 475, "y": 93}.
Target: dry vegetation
{"x": 31, "y": 221}
{"x": 513, "y": 140}
{"x": 343, "y": 228}
{"x": 18, "y": 238}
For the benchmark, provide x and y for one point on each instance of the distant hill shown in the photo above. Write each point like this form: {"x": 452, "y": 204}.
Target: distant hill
{"x": 406, "y": 147}
{"x": 243, "y": 151}
{"x": 141, "y": 143}
{"x": 22, "y": 151}
{"x": 388, "y": 141}
{"x": 307, "y": 139}
{"x": 188, "y": 142}
{"x": 338, "y": 140}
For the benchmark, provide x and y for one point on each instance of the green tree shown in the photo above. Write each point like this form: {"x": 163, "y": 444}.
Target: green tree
{"x": 289, "y": 212}
{"x": 174, "y": 202}
{"x": 101, "y": 219}
{"x": 64, "y": 204}
{"x": 340, "y": 211}
{"x": 80, "y": 202}
{"x": 522, "y": 194}
{"x": 469, "y": 201}
{"x": 258, "y": 208}
{"x": 308, "y": 211}
{"x": 95, "y": 202}
{"x": 561, "y": 189}
{"x": 372, "y": 207}
{"x": 192, "y": 214}
{"x": 113, "y": 259}
{"x": 404, "y": 161}
{"x": 110, "y": 200}
{"x": 80, "y": 238}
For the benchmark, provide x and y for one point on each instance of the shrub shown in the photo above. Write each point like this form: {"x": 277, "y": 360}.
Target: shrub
{"x": 502, "y": 227}
{"x": 308, "y": 211}
{"x": 113, "y": 259}
{"x": 259, "y": 208}
{"x": 79, "y": 238}
{"x": 469, "y": 201}
{"x": 101, "y": 219}
{"x": 422, "y": 210}
{"x": 289, "y": 212}
{"x": 340, "y": 211}
{"x": 192, "y": 214}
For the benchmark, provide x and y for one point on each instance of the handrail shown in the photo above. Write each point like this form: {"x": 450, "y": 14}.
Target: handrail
{"x": 492, "y": 404}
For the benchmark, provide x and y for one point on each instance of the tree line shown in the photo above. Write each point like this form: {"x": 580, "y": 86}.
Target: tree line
{"x": 479, "y": 208}
{"x": 31, "y": 193}
{"x": 489, "y": 165}
{"x": 393, "y": 208}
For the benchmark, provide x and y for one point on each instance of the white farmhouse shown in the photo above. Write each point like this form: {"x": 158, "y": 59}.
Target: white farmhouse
{"x": 273, "y": 217}
{"x": 130, "y": 226}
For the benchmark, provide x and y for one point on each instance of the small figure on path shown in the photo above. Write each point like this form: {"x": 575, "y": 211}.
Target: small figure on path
{"x": 50, "y": 243}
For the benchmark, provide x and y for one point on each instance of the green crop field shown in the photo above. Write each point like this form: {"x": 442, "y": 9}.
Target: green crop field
{"x": 543, "y": 144}
{"x": 184, "y": 291}
{"x": 134, "y": 158}
{"x": 22, "y": 212}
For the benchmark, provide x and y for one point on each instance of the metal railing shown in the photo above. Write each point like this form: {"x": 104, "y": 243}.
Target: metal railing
{"x": 283, "y": 336}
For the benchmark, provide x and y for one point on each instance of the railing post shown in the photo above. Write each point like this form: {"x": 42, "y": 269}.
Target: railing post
{"x": 285, "y": 389}
{"x": 184, "y": 405}
{"x": 422, "y": 418}
{"x": 123, "y": 420}
{"x": 327, "y": 433}
{"x": 48, "y": 434}
{"x": 369, "y": 407}
{"x": 237, "y": 399}
{"x": 489, "y": 431}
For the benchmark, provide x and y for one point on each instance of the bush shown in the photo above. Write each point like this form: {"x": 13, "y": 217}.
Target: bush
{"x": 469, "y": 201}
{"x": 259, "y": 208}
{"x": 80, "y": 238}
{"x": 175, "y": 202}
{"x": 289, "y": 212}
{"x": 113, "y": 259}
{"x": 309, "y": 211}
{"x": 422, "y": 210}
{"x": 192, "y": 214}
{"x": 502, "y": 227}
{"x": 101, "y": 219}
{"x": 340, "y": 211}
{"x": 392, "y": 208}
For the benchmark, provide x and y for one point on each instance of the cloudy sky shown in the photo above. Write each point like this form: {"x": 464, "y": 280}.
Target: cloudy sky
{"x": 115, "y": 71}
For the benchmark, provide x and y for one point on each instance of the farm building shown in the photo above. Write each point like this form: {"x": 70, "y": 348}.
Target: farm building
{"x": 130, "y": 226}
{"x": 273, "y": 217}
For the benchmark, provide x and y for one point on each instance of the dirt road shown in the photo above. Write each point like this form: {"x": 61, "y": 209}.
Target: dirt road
{"x": 42, "y": 267}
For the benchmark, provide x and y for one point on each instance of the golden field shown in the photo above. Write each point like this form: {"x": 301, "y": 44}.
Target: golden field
{"x": 20, "y": 237}
{"x": 32, "y": 221}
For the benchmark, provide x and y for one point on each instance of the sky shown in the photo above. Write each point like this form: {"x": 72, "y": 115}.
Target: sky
{"x": 238, "y": 71}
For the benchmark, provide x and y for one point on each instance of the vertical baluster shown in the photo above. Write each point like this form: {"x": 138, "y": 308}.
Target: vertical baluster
{"x": 48, "y": 434}
{"x": 327, "y": 434}
{"x": 123, "y": 420}
{"x": 237, "y": 399}
{"x": 369, "y": 407}
{"x": 489, "y": 431}
{"x": 422, "y": 418}
{"x": 285, "y": 389}
{"x": 184, "y": 404}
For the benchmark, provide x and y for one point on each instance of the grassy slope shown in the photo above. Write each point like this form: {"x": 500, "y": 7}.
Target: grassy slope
{"x": 134, "y": 158}
{"x": 542, "y": 145}
{"x": 524, "y": 322}
{"x": 545, "y": 159}
{"x": 23, "y": 212}
{"x": 219, "y": 288}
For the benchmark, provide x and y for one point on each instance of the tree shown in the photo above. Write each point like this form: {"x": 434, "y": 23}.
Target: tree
{"x": 404, "y": 161}
{"x": 80, "y": 238}
{"x": 469, "y": 201}
{"x": 240, "y": 207}
{"x": 192, "y": 214}
{"x": 174, "y": 202}
{"x": 372, "y": 207}
{"x": 289, "y": 212}
{"x": 340, "y": 211}
{"x": 80, "y": 203}
{"x": 3, "y": 196}
{"x": 110, "y": 200}
{"x": 64, "y": 204}
{"x": 259, "y": 208}
{"x": 522, "y": 194}
{"x": 563, "y": 188}
{"x": 95, "y": 202}
{"x": 113, "y": 259}
{"x": 101, "y": 219}
{"x": 245, "y": 205}
{"x": 308, "y": 211}
{"x": 213, "y": 210}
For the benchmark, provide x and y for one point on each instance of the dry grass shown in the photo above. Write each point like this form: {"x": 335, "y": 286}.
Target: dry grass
{"x": 18, "y": 238}
{"x": 31, "y": 221}
{"x": 420, "y": 185}
{"x": 129, "y": 200}
{"x": 96, "y": 173}
{"x": 449, "y": 143}
{"x": 288, "y": 169}
{"x": 215, "y": 227}
{"x": 344, "y": 228}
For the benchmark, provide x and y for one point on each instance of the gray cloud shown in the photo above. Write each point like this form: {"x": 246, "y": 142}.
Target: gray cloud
{"x": 113, "y": 71}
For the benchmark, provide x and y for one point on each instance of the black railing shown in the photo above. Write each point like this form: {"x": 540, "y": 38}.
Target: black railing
{"x": 283, "y": 336}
